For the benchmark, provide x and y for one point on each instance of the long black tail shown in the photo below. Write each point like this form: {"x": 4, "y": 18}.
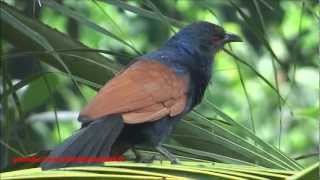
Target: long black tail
{"x": 94, "y": 140}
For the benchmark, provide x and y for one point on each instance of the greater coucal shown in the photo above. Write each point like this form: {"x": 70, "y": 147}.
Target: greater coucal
{"x": 143, "y": 102}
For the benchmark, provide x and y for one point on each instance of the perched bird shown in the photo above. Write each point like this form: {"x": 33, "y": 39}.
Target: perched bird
{"x": 143, "y": 102}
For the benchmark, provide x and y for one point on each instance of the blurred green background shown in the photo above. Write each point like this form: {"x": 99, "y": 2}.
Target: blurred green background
{"x": 281, "y": 43}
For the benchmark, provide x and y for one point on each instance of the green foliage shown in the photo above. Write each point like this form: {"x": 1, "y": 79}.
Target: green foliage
{"x": 263, "y": 95}
{"x": 165, "y": 170}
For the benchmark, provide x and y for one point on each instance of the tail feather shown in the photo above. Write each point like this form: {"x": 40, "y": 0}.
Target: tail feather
{"x": 90, "y": 141}
{"x": 105, "y": 148}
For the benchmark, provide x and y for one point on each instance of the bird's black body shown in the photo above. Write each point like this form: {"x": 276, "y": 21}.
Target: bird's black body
{"x": 184, "y": 61}
{"x": 189, "y": 54}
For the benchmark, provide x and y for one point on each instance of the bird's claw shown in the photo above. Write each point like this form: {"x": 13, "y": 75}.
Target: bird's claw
{"x": 146, "y": 160}
{"x": 175, "y": 161}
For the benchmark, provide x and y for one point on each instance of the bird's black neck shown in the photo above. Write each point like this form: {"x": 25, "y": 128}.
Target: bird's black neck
{"x": 199, "y": 65}
{"x": 200, "y": 73}
{"x": 186, "y": 60}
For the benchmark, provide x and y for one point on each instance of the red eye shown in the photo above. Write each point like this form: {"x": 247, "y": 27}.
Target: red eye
{"x": 216, "y": 38}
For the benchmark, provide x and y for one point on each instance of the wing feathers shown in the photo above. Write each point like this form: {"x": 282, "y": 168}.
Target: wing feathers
{"x": 146, "y": 91}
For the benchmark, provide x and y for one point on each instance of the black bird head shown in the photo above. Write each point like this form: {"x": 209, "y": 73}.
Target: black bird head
{"x": 203, "y": 37}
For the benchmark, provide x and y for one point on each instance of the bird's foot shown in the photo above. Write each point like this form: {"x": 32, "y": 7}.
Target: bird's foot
{"x": 143, "y": 159}
{"x": 167, "y": 154}
{"x": 147, "y": 159}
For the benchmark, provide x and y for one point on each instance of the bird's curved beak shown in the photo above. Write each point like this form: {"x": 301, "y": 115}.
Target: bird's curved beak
{"x": 229, "y": 37}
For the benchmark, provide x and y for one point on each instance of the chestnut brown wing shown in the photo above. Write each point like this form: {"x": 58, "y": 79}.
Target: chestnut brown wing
{"x": 146, "y": 91}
